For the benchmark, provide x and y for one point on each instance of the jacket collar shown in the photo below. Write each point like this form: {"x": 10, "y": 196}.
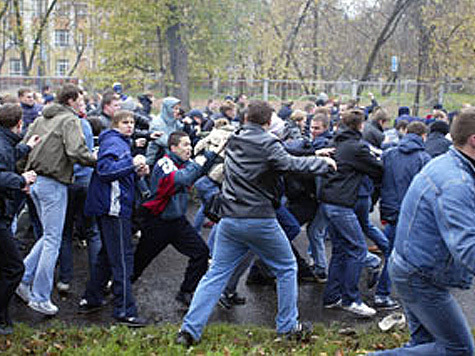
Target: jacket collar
{"x": 12, "y": 137}
{"x": 464, "y": 162}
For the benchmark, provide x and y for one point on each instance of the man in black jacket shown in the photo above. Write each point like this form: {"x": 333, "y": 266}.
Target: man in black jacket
{"x": 254, "y": 160}
{"x": 11, "y": 183}
{"x": 339, "y": 195}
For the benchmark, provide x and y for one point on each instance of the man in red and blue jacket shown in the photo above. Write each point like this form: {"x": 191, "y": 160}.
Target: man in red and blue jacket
{"x": 163, "y": 218}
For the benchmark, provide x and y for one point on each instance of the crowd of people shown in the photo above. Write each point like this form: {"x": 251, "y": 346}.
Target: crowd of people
{"x": 106, "y": 168}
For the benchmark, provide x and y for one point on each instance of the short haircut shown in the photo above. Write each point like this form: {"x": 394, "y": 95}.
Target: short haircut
{"x": 298, "y": 115}
{"x": 417, "y": 127}
{"x": 175, "y": 138}
{"x": 259, "y": 112}
{"x": 108, "y": 98}
{"x": 227, "y": 105}
{"x": 23, "y": 91}
{"x": 323, "y": 119}
{"x": 68, "y": 91}
{"x": 96, "y": 124}
{"x": 309, "y": 107}
{"x": 463, "y": 127}
{"x": 381, "y": 115}
{"x": 121, "y": 115}
{"x": 353, "y": 119}
{"x": 401, "y": 124}
{"x": 10, "y": 115}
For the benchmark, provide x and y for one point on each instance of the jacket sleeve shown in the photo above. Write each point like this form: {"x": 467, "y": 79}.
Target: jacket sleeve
{"x": 111, "y": 167}
{"x": 455, "y": 212}
{"x": 21, "y": 151}
{"x": 281, "y": 161}
{"x": 366, "y": 163}
{"x": 8, "y": 179}
{"x": 75, "y": 143}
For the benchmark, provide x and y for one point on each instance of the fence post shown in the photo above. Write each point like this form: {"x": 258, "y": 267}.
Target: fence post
{"x": 265, "y": 90}
{"x": 354, "y": 89}
{"x": 216, "y": 87}
{"x": 441, "y": 94}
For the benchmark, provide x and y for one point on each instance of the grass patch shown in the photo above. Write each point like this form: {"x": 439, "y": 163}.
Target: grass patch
{"x": 218, "y": 339}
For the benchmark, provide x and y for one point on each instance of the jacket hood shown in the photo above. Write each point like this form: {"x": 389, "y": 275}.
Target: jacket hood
{"x": 166, "y": 113}
{"x": 347, "y": 134}
{"x": 410, "y": 143}
{"x": 10, "y": 135}
{"x": 52, "y": 110}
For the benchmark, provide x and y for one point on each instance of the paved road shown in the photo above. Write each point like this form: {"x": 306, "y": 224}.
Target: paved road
{"x": 157, "y": 287}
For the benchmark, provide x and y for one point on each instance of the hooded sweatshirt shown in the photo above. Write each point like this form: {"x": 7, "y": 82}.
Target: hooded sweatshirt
{"x": 166, "y": 123}
{"x": 62, "y": 144}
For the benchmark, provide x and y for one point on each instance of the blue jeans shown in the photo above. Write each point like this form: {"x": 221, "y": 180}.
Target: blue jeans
{"x": 51, "y": 199}
{"x": 206, "y": 188}
{"x": 75, "y": 217}
{"x": 349, "y": 252}
{"x": 384, "y": 284}
{"x": 235, "y": 237}
{"x": 316, "y": 233}
{"x": 436, "y": 321}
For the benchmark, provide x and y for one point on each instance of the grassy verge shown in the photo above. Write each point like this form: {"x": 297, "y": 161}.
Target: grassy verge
{"x": 219, "y": 339}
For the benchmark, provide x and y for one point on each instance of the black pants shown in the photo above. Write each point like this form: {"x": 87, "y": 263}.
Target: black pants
{"x": 11, "y": 270}
{"x": 158, "y": 234}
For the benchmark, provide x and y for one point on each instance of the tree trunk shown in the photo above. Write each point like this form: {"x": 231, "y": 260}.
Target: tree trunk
{"x": 422, "y": 57}
{"x": 178, "y": 60}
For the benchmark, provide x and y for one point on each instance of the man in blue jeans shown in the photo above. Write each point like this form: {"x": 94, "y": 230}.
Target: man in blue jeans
{"x": 434, "y": 249}
{"x": 254, "y": 160}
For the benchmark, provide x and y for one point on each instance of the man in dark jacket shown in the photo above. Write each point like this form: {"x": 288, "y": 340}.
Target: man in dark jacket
{"x": 254, "y": 160}
{"x": 31, "y": 110}
{"x": 11, "y": 183}
{"x": 401, "y": 164}
{"x": 437, "y": 143}
{"x": 373, "y": 131}
{"x": 339, "y": 195}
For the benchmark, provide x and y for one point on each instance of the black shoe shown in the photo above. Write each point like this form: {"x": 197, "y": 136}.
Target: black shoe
{"x": 184, "y": 298}
{"x": 184, "y": 338}
{"x": 224, "y": 302}
{"x": 373, "y": 277}
{"x": 132, "y": 321}
{"x": 321, "y": 277}
{"x": 86, "y": 308}
{"x": 299, "y": 332}
{"x": 228, "y": 300}
{"x": 306, "y": 275}
{"x": 236, "y": 299}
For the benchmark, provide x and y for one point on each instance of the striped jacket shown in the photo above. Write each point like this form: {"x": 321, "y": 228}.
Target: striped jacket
{"x": 111, "y": 190}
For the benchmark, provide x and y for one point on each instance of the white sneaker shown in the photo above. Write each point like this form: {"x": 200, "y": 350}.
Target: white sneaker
{"x": 62, "y": 287}
{"x": 360, "y": 309}
{"x": 393, "y": 320}
{"x": 24, "y": 292}
{"x": 46, "y": 308}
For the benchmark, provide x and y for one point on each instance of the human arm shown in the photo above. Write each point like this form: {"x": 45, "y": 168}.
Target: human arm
{"x": 75, "y": 143}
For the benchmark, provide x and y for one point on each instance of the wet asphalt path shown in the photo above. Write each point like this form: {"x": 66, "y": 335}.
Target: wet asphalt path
{"x": 156, "y": 289}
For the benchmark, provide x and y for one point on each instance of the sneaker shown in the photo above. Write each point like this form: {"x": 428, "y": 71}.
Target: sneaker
{"x": 24, "y": 292}
{"x": 334, "y": 305}
{"x": 237, "y": 299}
{"x": 132, "y": 321}
{"x": 385, "y": 302}
{"x": 62, "y": 287}
{"x": 228, "y": 300}
{"x": 47, "y": 307}
{"x": 86, "y": 308}
{"x": 305, "y": 274}
{"x": 184, "y": 338}
{"x": 360, "y": 309}
{"x": 393, "y": 320}
{"x": 184, "y": 298}
{"x": 6, "y": 329}
{"x": 373, "y": 277}
{"x": 224, "y": 302}
{"x": 299, "y": 332}
{"x": 321, "y": 277}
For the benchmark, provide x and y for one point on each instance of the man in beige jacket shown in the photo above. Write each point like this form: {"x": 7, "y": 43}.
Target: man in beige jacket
{"x": 62, "y": 145}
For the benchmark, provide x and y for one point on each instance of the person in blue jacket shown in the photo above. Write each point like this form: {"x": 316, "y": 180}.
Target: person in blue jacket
{"x": 110, "y": 198}
{"x": 163, "y": 216}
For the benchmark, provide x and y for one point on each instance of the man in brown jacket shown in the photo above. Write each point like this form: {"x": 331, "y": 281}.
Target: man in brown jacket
{"x": 62, "y": 145}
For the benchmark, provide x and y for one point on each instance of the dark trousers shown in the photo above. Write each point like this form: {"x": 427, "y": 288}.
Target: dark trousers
{"x": 11, "y": 270}
{"x": 158, "y": 234}
{"x": 116, "y": 256}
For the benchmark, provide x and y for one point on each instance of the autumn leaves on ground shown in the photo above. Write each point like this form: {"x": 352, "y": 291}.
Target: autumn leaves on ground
{"x": 219, "y": 339}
